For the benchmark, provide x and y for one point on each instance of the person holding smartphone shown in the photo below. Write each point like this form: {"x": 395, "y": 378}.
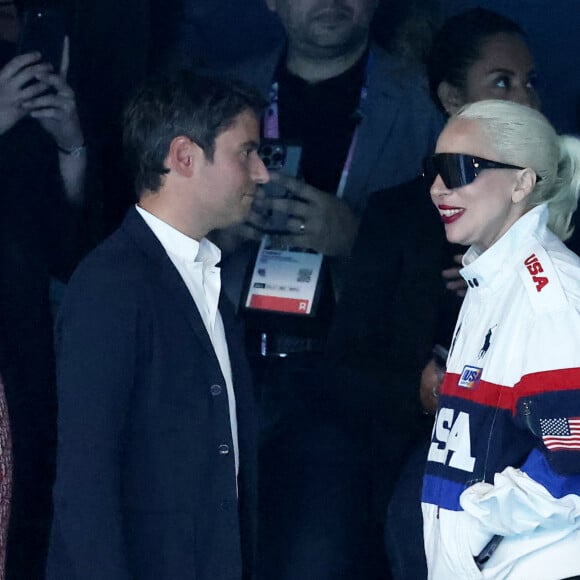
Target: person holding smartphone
{"x": 364, "y": 120}
{"x": 42, "y": 167}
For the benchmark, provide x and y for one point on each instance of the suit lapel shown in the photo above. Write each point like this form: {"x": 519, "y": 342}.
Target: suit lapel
{"x": 167, "y": 274}
{"x": 381, "y": 109}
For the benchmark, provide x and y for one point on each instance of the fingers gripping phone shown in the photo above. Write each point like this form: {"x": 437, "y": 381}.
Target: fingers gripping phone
{"x": 285, "y": 158}
{"x": 43, "y": 30}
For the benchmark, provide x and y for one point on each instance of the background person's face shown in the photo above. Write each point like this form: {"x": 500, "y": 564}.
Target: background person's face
{"x": 505, "y": 70}
{"x": 334, "y": 26}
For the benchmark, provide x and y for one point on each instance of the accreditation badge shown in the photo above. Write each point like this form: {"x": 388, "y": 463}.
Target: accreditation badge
{"x": 284, "y": 280}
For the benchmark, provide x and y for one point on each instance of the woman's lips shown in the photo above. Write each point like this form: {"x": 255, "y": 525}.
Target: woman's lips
{"x": 450, "y": 214}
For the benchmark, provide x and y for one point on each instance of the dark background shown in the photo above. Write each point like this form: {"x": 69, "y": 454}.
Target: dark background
{"x": 553, "y": 28}
{"x": 115, "y": 44}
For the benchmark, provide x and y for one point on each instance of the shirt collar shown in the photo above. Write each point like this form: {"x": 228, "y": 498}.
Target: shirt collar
{"x": 178, "y": 244}
{"x": 483, "y": 270}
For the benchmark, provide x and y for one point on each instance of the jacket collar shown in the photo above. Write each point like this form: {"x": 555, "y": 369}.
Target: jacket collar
{"x": 490, "y": 268}
{"x": 164, "y": 270}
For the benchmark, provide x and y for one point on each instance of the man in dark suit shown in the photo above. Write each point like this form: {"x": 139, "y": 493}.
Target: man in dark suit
{"x": 156, "y": 466}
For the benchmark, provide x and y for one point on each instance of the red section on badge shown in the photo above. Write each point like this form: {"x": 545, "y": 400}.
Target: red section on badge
{"x": 277, "y": 304}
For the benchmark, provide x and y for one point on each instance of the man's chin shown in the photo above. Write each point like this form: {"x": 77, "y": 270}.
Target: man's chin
{"x": 246, "y": 210}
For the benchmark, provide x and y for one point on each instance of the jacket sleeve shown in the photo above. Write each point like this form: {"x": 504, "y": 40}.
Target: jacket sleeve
{"x": 544, "y": 493}
{"x": 548, "y": 393}
{"x": 96, "y": 354}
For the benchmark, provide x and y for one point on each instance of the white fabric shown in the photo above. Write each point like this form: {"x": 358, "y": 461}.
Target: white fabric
{"x": 516, "y": 504}
{"x": 513, "y": 326}
{"x": 196, "y": 263}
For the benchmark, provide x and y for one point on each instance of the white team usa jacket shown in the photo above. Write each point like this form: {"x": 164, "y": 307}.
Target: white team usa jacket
{"x": 505, "y": 452}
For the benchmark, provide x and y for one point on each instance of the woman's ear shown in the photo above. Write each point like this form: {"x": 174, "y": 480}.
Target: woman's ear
{"x": 525, "y": 183}
{"x": 450, "y": 97}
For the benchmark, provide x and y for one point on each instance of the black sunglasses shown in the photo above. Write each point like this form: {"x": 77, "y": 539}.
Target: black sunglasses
{"x": 457, "y": 169}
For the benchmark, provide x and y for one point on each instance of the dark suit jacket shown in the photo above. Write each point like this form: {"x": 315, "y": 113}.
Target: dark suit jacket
{"x": 146, "y": 485}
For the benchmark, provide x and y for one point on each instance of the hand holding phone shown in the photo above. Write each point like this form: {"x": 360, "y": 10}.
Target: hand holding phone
{"x": 43, "y": 31}
{"x": 317, "y": 221}
{"x": 285, "y": 158}
{"x": 18, "y": 84}
{"x": 56, "y": 111}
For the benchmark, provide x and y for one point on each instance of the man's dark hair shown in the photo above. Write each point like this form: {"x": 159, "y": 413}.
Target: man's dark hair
{"x": 458, "y": 43}
{"x": 167, "y": 106}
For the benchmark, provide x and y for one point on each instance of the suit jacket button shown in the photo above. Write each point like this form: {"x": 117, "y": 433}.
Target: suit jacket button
{"x": 224, "y": 449}
{"x": 215, "y": 390}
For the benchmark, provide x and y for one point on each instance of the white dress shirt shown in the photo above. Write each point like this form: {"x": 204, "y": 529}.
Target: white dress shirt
{"x": 196, "y": 263}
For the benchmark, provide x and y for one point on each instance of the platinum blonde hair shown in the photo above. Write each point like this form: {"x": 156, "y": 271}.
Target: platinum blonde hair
{"x": 524, "y": 137}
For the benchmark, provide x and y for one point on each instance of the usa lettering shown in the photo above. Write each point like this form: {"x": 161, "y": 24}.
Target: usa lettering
{"x": 534, "y": 268}
{"x": 451, "y": 443}
{"x": 469, "y": 377}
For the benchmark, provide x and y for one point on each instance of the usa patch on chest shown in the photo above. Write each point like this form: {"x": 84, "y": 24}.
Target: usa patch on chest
{"x": 469, "y": 377}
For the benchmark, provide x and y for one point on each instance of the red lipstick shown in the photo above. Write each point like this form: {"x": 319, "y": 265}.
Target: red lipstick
{"x": 450, "y": 214}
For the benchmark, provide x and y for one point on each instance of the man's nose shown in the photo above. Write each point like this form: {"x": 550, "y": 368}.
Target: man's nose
{"x": 259, "y": 172}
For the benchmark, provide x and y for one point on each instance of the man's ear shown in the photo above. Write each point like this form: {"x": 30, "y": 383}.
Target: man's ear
{"x": 271, "y": 4}
{"x": 525, "y": 183}
{"x": 450, "y": 97}
{"x": 182, "y": 156}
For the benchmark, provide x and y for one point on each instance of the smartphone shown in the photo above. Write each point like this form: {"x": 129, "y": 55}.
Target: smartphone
{"x": 43, "y": 30}
{"x": 283, "y": 157}
{"x": 440, "y": 354}
{"x": 488, "y": 551}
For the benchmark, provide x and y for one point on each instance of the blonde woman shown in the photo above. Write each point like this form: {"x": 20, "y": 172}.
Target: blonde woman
{"x": 501, "y": 494}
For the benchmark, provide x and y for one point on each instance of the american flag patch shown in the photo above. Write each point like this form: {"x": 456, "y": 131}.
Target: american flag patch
{"x": 561, "y": 434}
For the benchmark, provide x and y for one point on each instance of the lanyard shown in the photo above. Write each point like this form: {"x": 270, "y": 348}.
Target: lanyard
{"x": 272, "y": 123}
